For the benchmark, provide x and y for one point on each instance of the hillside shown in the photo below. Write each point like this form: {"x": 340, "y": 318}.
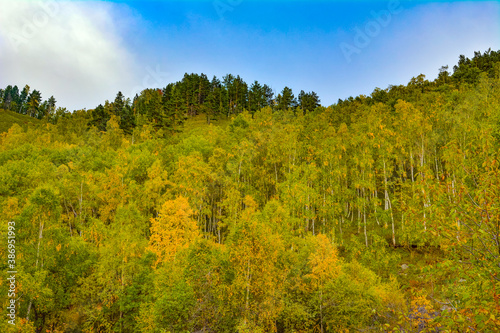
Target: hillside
{"x": 378, "y": 213}
{"x": 8, "y": 118}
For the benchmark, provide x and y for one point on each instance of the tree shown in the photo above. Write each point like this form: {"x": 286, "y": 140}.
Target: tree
{"x": 286, "y": 100}
{"x": 257, "y": 98}
{"x": 155, "y": 188}
{"x": 325, "y": 267}
{"x": 253, "y": 253}
{"x": 217, "y": 101}
{"x": 51, "y": 107}
{"x": 174, "y": 106}
{"x": 269, "y": 95}
{"x": 444, "y": 75}
{"x": 34, "y": 100}
{"x": 99, "y": 118}
{"x": 118, "y": 104}
{"x": 11, "y": 95}
{"x": 41, "y": 229}
{"x": 23, "y": 99}
{"x": 308, "y": 101}
{"x": 149, "y": 104}
{"x": 173, "y": 230}
{"x": 106, "y": 294}
{"x": 237, "y": 91}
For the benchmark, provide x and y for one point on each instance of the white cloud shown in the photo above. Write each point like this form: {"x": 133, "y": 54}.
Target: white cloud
{"x": 435, "y": 34}
{"x": 421, "y": 39}
{"x": 72, "y": 50}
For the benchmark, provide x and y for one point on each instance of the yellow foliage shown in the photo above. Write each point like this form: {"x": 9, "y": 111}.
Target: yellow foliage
{"x": 172, "y": 230}
{"x": 421, "y": 308}
{"x": 11, "y": 208}
{"x": 324, "y": 261}
{"x": 250, "y": 204}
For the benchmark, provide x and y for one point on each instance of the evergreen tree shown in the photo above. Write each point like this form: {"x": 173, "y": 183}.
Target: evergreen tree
{"x": 203, "y": 88}
{"x": 52, "y": 103}
{"x": 118, "y": 104}
{"x": 240, "y": 94}
{"x": 269, "y": 95}
{"x": 7, "y": 98}
{"x": 127, "y": 120}
{"x": 99, "y": 118}
{"x": 228, "y": 81}
{"x": 149, "y": 104}
{"x": 122, "y": 108}
{"x": 194, "y": 89}
{"x": 217, "y": 99}
{"x": 308, "y": 101}
{"x": 34, "y": 100}
{"x": 286, "y": 100}
{"x": 256, "y": 97}
{"x": 174, "y": 106}
{"x": 23, "y": 99}
{"x": 212, "y": 103}
{"x": 14, "y": 105}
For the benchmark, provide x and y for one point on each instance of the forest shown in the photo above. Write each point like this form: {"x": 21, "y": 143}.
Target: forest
{"x": 216, "y": 206}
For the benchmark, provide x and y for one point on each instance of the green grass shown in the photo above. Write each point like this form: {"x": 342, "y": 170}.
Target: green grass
{"x": 200, "y": 122}
{"x": 9, "y": 118}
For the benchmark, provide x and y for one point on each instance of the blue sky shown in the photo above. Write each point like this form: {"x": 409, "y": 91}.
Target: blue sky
{"x": 87, "y": 51}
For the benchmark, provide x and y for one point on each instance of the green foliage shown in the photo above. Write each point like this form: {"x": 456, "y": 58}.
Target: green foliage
{"x": 9, "y": 118}
{"x": 377, "y": 213}
{"x": 286, "y": 99}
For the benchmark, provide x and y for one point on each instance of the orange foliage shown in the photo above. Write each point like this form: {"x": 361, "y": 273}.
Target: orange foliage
{"x": 173, "y": 230}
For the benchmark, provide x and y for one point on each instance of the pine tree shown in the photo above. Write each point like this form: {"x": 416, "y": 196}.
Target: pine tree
{"x": 118, "y": 104}
{"x": 174, "y": 106}
{"x": 34, "y": 100}
{"x": 23, "y": 99}
{"x": 99, "y": 118}
{"x": 149, "y": 104}
{"x": 308, "y": 101}
{"x": 286, "y": 100}
{"x": 269, "y": 95}
{"x": 256, "y": 97}
{"x": 51, "y": 105}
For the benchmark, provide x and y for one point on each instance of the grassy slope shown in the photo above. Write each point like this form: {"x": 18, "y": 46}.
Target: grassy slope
{"x": 199, "y": 122}
{"x": 9, "y": 118}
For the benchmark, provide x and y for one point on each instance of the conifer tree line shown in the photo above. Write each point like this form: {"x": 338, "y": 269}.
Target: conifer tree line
{"x": 169, "y": 107}
{"x": 26, "y": 101}
{"x": 196, "y": 94}
{"x": 378, "y": 213}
